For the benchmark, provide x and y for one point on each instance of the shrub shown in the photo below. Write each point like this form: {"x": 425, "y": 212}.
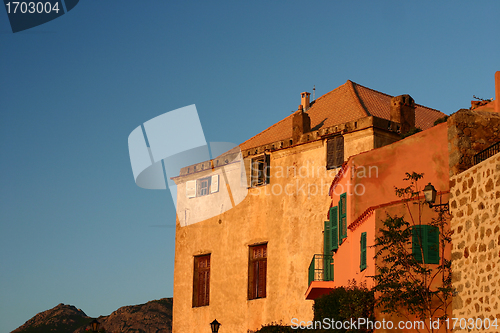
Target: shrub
{"x": 344, "y": 303}
{"x": 441, "y": 120}
{"x": 412, "y": 131}
{"x": 275, "y": 328}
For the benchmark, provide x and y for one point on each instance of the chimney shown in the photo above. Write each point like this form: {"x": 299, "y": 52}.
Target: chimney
{"x": 301, "y": 123}
{"x": 497, "y": 91}
{"x": 403, "y": 112}
{"x": 304, "y": 100}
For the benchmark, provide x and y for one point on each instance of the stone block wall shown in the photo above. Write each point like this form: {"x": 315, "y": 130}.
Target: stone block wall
{"x": 474, "y": 205}
{"x": 470, "y": 132}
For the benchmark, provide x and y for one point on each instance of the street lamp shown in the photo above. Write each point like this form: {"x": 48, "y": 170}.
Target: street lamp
{"x": 95, "y": 325}
{"x": 215, "y": 326}
{"x": 430, "y": 196}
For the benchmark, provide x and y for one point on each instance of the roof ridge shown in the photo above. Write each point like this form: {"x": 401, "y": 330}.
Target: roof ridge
{"x": 362, "y": 86}
{"x": 324, "y": 95}
{"x": 356, "y": 96}
{"x": 428, "y": 108}
{"x": 423, "y": 106}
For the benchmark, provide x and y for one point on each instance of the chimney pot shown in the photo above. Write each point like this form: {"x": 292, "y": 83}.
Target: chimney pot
{"x": 304, "y": 100}
{"x": 403, "y": 112}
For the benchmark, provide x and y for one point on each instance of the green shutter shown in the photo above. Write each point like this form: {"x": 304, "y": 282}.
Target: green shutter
{"x": 362, "y": 263}
{"x": 416, "y": 241}
{"x": 343, "y": 217}
{"x": 429, "y": 236}
{"x": 432, "y": 255}
{"x": 326, "y": 239}
{"x": 312, "y": 270}
{"x": 327, "y": 253}
{"x": 334, "y": 228}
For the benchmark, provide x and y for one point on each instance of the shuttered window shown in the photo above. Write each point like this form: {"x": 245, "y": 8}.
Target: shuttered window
{"x": 201, "y": 284}
{"x": 334, "y": 228}
{"x": 203, "y": 186}
{"x": 257, "y": 271}
{"x": 425, "y": 240}
{"x": 260, "y": 170}
{"x": 362, "y": 260}
{"x": 334, "y": 152}
{"x": 342, "y": 217}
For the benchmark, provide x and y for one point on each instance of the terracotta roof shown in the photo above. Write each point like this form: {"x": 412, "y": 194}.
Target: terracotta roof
{"x": 348, "y": 102}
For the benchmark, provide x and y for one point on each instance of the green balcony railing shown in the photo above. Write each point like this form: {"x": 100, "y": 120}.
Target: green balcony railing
{"x": 321, "y": 268}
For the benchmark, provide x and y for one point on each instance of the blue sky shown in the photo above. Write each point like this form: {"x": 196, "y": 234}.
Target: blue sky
{"x": 74, "y": 227}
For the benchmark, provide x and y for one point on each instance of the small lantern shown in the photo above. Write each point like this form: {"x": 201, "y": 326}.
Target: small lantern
{"x": 215, "y": 326}
{"x": 430, "y": 194}
{"x": 95, "y": 325}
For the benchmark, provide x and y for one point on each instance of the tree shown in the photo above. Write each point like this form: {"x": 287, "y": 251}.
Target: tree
{"x": 409, "y": 280}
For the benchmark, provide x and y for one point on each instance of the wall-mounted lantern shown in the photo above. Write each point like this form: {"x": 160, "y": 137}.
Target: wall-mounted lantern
{"x": 430, "y": 194}
{"x": 215, "y": 325}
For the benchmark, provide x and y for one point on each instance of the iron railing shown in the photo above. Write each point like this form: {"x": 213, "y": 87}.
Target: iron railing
{"x": 321, "y": 268}
{"x": 487, "y": 153}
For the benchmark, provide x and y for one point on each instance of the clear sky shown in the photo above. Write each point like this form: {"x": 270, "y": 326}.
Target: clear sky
{"x": 74, "y": 227}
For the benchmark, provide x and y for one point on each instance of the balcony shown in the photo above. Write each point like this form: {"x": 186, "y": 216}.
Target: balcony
{"x": 487, "y": 153}
{"x": 320, "y": 276}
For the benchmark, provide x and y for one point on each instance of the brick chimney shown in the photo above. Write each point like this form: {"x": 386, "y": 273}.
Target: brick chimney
{"x": 497, "y": 91}
{"x": 304, "y": 100}
{"x": 301, "y": 122}
{"x": 403, "y": 112}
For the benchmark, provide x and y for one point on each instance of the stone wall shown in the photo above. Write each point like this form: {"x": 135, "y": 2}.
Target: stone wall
{"x": 474, "y": 204}
{"x": 470, "y": 132}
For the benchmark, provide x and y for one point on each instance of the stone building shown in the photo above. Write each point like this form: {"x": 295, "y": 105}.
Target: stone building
{"x": 248, "y": 265}
{"x": 475, "y": 202}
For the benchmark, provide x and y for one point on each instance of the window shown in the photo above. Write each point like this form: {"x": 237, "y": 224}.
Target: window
{"x": 257, "y": 271}
{"x": 425, "y": 240}
{"x": 342, "y": 217}
{"x": 202, "y": 187}
{"x": 334, "y": 152}
{"x": 201, "y": 284}
{"x": 362, "y": 260}
{"x": 260, "y": 168}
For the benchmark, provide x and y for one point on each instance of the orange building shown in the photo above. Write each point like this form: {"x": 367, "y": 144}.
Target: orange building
{"x": 362, "y": 194}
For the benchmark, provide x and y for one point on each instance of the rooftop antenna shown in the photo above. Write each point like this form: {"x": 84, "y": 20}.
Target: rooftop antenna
{"x": 314, "y": 92}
